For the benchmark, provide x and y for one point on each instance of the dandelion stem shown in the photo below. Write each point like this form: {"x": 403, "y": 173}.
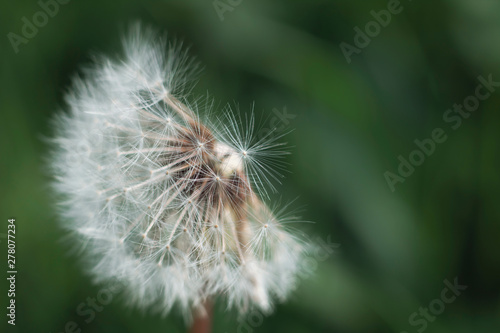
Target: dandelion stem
{"x": 203, "y": 322}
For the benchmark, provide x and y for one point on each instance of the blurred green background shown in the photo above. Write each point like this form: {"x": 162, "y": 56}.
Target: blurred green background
{"x": 351, "y": 122}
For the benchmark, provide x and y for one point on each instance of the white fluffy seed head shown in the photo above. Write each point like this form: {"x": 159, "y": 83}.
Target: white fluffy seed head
{"x": 165, "y": 203}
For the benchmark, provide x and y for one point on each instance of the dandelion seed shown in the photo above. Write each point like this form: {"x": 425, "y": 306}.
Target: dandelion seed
{"x": 180, "y": 195}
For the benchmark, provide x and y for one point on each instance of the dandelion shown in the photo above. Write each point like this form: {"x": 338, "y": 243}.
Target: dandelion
{"x": 163, "y": 200}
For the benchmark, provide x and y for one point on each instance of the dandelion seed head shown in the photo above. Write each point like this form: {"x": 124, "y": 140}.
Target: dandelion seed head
{"x": 175, "y": 201}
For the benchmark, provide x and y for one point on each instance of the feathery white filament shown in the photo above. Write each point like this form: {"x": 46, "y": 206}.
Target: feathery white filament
{"x": 164, "y": 201}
